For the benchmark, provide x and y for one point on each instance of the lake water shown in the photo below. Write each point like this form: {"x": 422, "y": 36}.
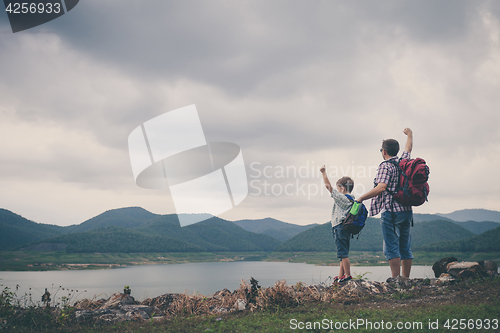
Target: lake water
{"x": 205, "y": 278}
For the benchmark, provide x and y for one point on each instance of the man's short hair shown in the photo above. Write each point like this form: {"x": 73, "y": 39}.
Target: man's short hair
{"x": 391, "y": 146}
{"x": 347, "y": 183}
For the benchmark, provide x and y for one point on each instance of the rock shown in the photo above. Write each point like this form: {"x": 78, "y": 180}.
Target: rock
{"x": 161, "y": 303}
{"x": 440, "y": 266}
{"x": 240, "y": 304}
{"x": 399, "y": 282}
{"x": 222, "y": 293}
{"x": 445, "y": 279}
{"x": 137, "y": 308}
{"x": 365, "y": 288}
{"x": 117, "y": 300}
{"x": 83, "y": 315}
{"x": 221, "y": 310}
{"x": 490, "y": 267}
{"x": 466, "y": 270}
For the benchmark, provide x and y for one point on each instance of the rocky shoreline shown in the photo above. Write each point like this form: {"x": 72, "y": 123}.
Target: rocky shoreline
{"x": 250, "y": 297}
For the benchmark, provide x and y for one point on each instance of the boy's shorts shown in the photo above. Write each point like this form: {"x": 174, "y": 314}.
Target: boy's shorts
{"x": 342, "y": 239}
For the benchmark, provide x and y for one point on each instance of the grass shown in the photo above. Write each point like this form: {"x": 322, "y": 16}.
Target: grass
{"x": 43, "y": 261}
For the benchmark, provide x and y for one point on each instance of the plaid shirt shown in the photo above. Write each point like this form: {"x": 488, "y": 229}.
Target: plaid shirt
{"x": 387, "y": 173}
{"x": 342, "y": 205}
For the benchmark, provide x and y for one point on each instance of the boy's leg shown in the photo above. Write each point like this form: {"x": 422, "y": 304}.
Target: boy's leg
{"x": 346, "y": 263}
{"x": 341, "y": 271}
{"x": 342, "y": 242}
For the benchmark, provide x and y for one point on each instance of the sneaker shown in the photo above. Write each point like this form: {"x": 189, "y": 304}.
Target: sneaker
{"x": 345, "y": 278}
{"x": 336, "y": 279}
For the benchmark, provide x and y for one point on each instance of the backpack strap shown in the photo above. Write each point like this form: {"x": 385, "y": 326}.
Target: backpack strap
{"x": 399, "y": 171}
{"x": 395, "y": 162}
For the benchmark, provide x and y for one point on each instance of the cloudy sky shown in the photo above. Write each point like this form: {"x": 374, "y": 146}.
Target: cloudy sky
{"x": 296, "y": 84}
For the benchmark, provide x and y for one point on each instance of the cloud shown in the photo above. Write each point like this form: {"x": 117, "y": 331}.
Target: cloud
{"x": 290, "y": 82}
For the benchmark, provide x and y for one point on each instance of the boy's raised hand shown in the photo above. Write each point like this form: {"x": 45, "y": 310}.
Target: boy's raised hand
{"x": 407, "y": 131}
{"x": 322, "y": 169}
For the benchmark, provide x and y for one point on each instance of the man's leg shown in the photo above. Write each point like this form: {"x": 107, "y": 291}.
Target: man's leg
{"x": 395, "y": 265}
{"x": 403, "y": 221}
{"x": 391, "y": 243}
{"x": 406, "y": 263}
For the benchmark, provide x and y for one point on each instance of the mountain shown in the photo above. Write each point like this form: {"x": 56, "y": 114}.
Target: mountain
{"x": 477, "y": 215}
{"x": 214, "y": 234}
{"x": 478, "y": 227}
{"x": 15, "y": 230}
{"x": 129, "y": 217}
{"x": 474, "y": 226}
{"x": 134, "y": 229}
{"x": 370, "y": 239}
{"x": 233, "y": 237}
{"x": 162, "y": 233}
{"x": 437, "y": 231}
{"x": 112, "y": 239}
{"x": 485, "y": 242}
{"x": 280, "y": 230}
{"x": 320, "y": 238}
{"x": 428, "y": 217}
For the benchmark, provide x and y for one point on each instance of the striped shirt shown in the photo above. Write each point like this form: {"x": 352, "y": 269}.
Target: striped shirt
{"x": 387, "y": 173}
{"x": 341, "y": 206}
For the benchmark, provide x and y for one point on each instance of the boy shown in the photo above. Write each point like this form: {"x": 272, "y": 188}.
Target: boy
{"x": 341, "y": 207}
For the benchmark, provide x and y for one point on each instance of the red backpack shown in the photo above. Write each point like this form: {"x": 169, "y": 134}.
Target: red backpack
{"x": 412, "y": 188}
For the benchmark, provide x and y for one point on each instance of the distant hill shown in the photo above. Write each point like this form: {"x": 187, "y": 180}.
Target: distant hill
{"x": 474, "y": 226}
{"x": 161, "y": 234}
{"x": 437, "y": 231}
{"x": 278, "y": 229}
{"x": 134, "y": 229}
{"x": 15, "y": 230}
{"x": 477, "y": 215}
{"x": 113, "y": 239}
{"x": 429, "y": 217}
{"x": 485, "y": 242}
{"x": 320, "y": 238}
{"x": 129, "y": 217}
{"x": 478, "y": 227}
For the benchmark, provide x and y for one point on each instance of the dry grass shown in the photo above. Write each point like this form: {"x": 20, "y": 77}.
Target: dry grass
{"x": 249, "y": 293}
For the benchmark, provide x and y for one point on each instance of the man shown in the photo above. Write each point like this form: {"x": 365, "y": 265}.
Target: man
{"x": 395, "y": 218}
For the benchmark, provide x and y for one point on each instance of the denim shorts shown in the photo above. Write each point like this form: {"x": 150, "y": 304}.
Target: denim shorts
{"x": 396, "y": 231}
{"x": 342, "y": 239}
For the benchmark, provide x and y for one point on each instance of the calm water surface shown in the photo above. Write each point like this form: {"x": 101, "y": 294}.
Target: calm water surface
{"x": 205, "y": 278}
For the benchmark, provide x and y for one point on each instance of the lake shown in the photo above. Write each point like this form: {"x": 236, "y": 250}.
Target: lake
{"x": 205, "y": 278}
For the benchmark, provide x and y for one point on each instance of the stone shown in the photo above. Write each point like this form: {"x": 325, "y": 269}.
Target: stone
{"x": 445, "y": 279}
{"x": 490, "y": 267}
{"x": 240, "y": 304}
{"x": 440, "y": 266}
{"x": 137, "y": 308}
{"x": 117, "y": 300}
{"x": 399, "y": 282}
{"x": 365, "y": 288}
{"x": 465, "y": 270}
{"x": 83, "y": 315}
